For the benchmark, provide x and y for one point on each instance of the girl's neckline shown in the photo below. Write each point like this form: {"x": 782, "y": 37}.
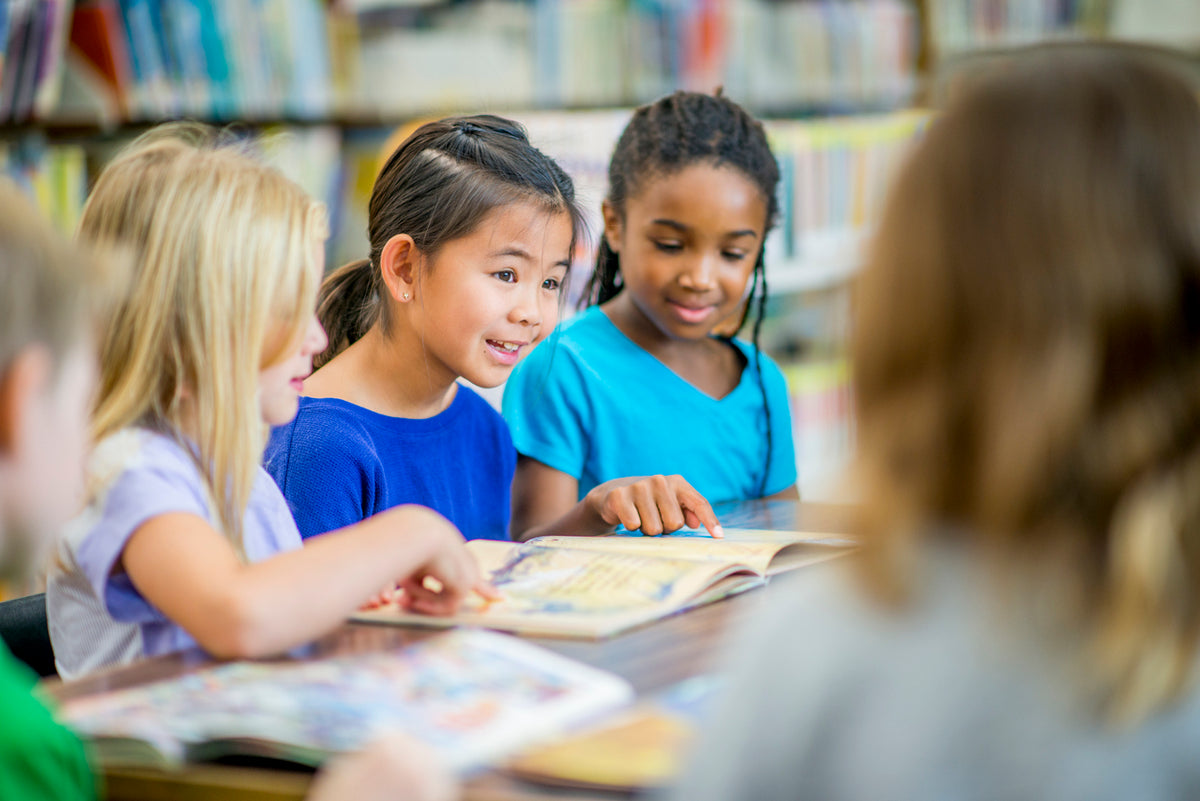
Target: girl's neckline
{"x": 739, "y": 353}
{"x": 355, "y": 376}
{"x": 450, "y": 411}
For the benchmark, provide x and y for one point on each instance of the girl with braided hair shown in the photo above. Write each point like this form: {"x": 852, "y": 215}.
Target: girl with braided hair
{"x": 645, "y": 381}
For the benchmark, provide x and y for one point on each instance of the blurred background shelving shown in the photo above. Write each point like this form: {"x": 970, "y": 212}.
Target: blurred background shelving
{"x": 332, "y": 83}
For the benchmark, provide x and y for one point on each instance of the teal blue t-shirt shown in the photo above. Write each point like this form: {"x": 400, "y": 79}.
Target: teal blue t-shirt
{"x": 591, "y": 403}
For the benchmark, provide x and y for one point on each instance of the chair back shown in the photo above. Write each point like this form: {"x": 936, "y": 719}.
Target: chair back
{"x": 25, "y": 632}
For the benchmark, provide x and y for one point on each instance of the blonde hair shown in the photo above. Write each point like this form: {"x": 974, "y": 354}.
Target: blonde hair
{"x": 50, "y": 291}
{"x": 222, "y": 287}
{"x": 1027, "y": 354}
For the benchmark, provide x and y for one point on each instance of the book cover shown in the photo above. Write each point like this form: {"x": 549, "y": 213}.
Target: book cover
{"x": 48, "y": 84}
{"x": 474, "y": 697}
{"x": 20, "y": 18}
{"x": 4, "y": 25}
{"x": 153, "y": 97}
{"x": 221, "y": 95}
{"x": 33, "y": 61}
{"x": 305, "y": 64}
{"x": 182, "y": 38}
{"x": 97, "y": 36}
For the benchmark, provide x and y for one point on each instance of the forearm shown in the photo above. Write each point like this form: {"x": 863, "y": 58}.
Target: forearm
{"x": 299, "y": 595}
{"x": 792, "y": 493}
{"x": 579, "y": 520}
{"x": 546, "y": 501}
{"x": 190, "y": 572}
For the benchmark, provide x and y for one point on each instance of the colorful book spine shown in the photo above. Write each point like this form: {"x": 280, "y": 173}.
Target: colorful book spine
{"x": 152, "y": 95}
{"x": 97, "y": 38}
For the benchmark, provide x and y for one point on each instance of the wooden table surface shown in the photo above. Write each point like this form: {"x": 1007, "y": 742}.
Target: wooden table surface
{"x": 652, "y": 658}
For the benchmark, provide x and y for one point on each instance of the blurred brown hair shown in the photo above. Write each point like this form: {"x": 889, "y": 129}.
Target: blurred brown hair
{"x": 1027, "y": 350}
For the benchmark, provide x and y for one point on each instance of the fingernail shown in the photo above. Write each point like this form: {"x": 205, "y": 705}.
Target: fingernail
{"x": 718, "y": 532}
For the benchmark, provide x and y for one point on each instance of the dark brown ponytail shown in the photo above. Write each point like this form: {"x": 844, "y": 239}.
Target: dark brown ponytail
{"x": 347, "y": 306}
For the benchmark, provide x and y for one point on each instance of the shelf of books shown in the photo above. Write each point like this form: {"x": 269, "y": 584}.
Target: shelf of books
{"x": 114, "y": 60}
{"x": 962, "y": 35}
{"x": 967, "y": 27}
{"x": 332, "y": 82}
{"x": 959, "y": 28}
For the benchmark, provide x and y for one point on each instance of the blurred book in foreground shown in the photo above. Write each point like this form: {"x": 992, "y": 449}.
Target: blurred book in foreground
{"x": 474, "y": 697}
{"x": 635, "y": 750}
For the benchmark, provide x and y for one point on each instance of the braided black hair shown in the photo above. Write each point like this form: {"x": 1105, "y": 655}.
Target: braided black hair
{"x": 667, "y": 136}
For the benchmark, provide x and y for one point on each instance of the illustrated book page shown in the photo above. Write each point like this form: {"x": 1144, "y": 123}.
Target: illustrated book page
{"x": 473, "y": 696}
{"x": 552, "y": 590}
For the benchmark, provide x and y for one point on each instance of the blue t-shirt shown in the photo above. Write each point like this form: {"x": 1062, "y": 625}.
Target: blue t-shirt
{"x": 338, "y": 463}
{"x": 593, "y": 404}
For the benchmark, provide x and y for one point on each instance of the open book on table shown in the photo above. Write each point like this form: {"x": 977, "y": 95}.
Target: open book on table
{"x": 473, "y": 696}
{"x": 593, "y": 587}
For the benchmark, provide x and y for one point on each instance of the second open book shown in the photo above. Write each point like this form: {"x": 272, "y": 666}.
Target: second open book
{"x": 593, "y": 587}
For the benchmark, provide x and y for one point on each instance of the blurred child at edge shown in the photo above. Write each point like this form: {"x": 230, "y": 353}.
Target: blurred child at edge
{"x": 1025, "y": 617}
{"x": 50, "y": 294}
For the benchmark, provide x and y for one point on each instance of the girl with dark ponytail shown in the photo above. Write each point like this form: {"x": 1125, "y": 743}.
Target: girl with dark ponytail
{"x": 647, "y": 380}
{"x": 471, "y": 230}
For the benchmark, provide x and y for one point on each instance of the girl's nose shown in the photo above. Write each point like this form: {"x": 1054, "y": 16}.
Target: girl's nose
{"x": 527, "y": 310}
{"x": 700, "y": 274}
{"x": 315, "y": 337}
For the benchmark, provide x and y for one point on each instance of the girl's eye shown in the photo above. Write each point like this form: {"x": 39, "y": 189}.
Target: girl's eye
{"x": 553, "y": 284}
{"x": 508, "y": 276}
{"x": 668, "y": 247}
{"x": 733, "y": 255}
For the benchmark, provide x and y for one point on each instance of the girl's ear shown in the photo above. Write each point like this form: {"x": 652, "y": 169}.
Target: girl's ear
{"x": 398, "y": 264}
{"x": 613, "y": 226}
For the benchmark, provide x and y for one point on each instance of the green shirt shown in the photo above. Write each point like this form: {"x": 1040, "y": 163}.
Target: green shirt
{"x": 39, "y": 758}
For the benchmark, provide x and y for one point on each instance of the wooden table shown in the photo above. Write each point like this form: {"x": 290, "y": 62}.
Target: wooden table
{"x": 651, "y": 658}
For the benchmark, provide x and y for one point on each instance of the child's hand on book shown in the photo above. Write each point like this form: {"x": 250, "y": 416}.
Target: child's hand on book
{"x": 394, "y": 766}
{"x": 447, "y": 575}
{"x": 653, "y": 504}
{"x": 388, "y": 595}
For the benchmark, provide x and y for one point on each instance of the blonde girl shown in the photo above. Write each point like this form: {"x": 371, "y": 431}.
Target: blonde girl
{"x": 1027, "y": 373}
{"x": 185, "y": 539}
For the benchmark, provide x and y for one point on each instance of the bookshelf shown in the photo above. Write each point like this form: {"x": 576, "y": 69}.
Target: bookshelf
{"x": 330, "y": 82}
{"x": 962, "y": 35}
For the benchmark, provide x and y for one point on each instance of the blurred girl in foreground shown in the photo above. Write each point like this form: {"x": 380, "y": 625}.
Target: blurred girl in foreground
{"x": 1024, "y": 616}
